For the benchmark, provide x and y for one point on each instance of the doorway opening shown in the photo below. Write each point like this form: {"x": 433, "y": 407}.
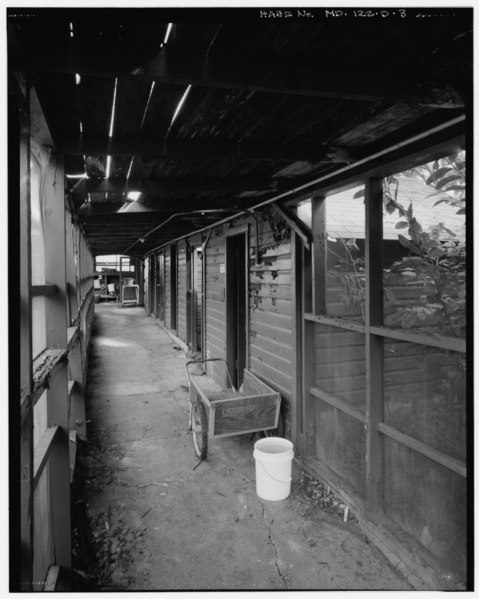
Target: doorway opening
{"x": 160, "y": 287}
{"x": 194, "y": 304}
{"x": 236, "y": 305}
{"x": 173, "y": 287}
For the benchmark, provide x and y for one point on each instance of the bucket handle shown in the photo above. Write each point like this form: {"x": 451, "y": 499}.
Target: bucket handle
{"x": 283, "y": 482}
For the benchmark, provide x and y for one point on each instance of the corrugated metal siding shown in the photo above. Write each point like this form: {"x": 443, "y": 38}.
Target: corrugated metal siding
{"x": 270, "y": 307}
{"x": 181, "y": 331}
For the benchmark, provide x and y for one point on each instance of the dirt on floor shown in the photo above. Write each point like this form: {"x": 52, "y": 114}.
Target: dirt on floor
{"x": 149, "y": 516}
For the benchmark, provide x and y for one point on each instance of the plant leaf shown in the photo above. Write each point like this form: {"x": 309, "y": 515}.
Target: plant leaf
{"x": 408, "y": 263}
{"x": 409, "y": 211}
{"x": 437, "y": 174}
{"x": 448, "y": 231}
{"x": 359, "y": 194}
{"x": 408, "y": 244}
{"x": 436, "y": 253}
{"x": 401, "y": 224}
{"x": 461, "y": 211}
{"x": 443, "y": 182}
{"x": 456, "y": 188}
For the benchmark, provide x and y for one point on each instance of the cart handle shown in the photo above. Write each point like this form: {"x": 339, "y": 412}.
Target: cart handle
{"x": 209, "y": 360}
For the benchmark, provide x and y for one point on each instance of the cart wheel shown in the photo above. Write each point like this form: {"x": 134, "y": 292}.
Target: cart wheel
{"x": 276, "y": 432}
{"x": 200, "y": 430}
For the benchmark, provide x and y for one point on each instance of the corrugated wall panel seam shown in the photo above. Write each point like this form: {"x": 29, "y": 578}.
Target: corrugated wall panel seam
{"x": 258, "y": 351}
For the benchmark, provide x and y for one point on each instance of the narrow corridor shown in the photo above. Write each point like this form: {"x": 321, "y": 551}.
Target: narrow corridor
{"x": 160, "y": 520}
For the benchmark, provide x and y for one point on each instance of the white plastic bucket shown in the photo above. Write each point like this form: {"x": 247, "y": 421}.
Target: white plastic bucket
{"x": 273, "y": 460}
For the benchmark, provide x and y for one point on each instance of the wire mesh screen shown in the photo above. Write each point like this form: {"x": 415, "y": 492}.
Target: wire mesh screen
{"x": 428, "y": 501}
{"x": 341, "y": 444}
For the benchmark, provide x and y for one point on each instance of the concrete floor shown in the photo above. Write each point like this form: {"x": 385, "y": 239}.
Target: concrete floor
{"x": 160, "y": 521}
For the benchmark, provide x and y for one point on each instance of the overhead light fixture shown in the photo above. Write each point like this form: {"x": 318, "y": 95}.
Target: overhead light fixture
{"x": 147, "y": 104}
{"x": 129, "y": 170}
{"x": 108, "y": 165}
{"x": 110, "y": 133}
{"x": 133, "y": 195}
{"x": 112, "y": 120}
{"x": 168, "y": 31}
{"x": 180, "y": 104}
{"x": 77, "y": 78}
{"x": 76, "y": 176}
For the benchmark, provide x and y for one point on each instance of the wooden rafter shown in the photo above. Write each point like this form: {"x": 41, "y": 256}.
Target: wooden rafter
{"x": 148, "y": 146}
{"x": 169, "y": 185}
{"x": 229, "y": 72}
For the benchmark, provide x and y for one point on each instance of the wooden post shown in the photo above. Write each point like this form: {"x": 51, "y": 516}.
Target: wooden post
{"x": 21, "y": 491}
{"x": 59, "y": 467}
{"x": 77, "y": 417}
{"x": 297, "y": 330}
{"x": 314, "y": 300}
{"x": 318, "y": 209}
{"x": 120, "y": 282}
{"x": 56, "y": 336}
{"x": 374, "y": 343}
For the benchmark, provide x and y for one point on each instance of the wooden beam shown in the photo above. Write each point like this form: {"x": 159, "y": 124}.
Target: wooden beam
{"x": 56, "y": 336}
{"x": 429, "y": 339}
{"x": 59, "y": 466}
{"x": 171, "y": 184}
{"x": 230, "y": 72}
{"x": 318, "y": 208}
{"x": 21, "y": 414}
{"x": 305, "y": 238}
{"x": 339, "y": 404}
{"x": 179, "y": 148}
{"x": 297, "y": 245}
{"x": 374, "y": 343}
{"x": 159, "y": 206}
{"x": 349, "y": 325}
{"x": 308, "y": 354}
{"x": 457, "y": 466}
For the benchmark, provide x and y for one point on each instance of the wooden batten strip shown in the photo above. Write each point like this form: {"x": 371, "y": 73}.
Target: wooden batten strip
{"x": 42, "y": 451}
{"x": 339, "y": 404}
{"x": 449, "y": 343}
{"x": 440, "y": 341}
{"x": 340, "y": 323}
{"x": 457, "y": 466}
